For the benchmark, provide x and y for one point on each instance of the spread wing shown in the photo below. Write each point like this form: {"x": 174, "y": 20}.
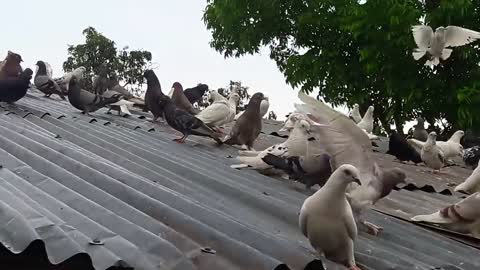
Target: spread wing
{"x": 423, "y": 35}
{"x": 457, "y": 36}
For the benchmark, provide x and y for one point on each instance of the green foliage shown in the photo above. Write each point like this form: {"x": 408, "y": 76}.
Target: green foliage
{"x": 359, "y": 52}
{"x": 99, "y": 50}
{"x": 236, "y": 87}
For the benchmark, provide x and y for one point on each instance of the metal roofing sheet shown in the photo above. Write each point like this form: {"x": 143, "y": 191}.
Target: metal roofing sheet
{"x": 120, "y": 191}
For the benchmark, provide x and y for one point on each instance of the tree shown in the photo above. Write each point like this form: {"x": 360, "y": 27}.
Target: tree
{"x": 242, "y": 91}
{"x": 359, "y": 52}
{"x": 99, "y": 50}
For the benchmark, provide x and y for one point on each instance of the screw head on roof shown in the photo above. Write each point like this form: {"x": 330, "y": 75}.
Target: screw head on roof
{"x": 96, "y": 242}
{"x": 208, "y": 250}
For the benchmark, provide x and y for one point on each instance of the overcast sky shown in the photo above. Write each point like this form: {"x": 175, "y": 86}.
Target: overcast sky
{"x": 172, "y": 30}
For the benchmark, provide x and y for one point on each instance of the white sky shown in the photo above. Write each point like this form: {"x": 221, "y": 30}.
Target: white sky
{"x": 172, "y": 30}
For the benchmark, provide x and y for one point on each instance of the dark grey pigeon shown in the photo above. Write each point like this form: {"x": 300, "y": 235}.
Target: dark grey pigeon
{"x": 13, "y": 89}
{"x": 154, "y": 92}
{"x": 195, "y": 94}
{"x": 419, "y": 131}
{"x": 184, "y": 122}
{"x": 46, "y": 84}
{"x": 85, "y": 101}
{"x": 249, "y": 125}
{"x": 100, "y": 82}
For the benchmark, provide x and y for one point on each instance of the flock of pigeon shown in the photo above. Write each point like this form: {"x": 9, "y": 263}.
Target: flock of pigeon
{"x": 324, "y": 146}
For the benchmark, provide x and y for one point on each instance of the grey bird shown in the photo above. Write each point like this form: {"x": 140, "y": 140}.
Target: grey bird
{"x": 326, "y": 218}
{"x": 436, "y": 44}
{"x": 419, "y": 132}
{"x": 154, "y": 92}
{"x": 431, "y": 154}
{"x": 46, "y": 84}
{"x": 114, "y": 85}
{"x": 180, "y": 100}
{"x": 463, "y": 217}
{"x": 85, "y": 101}
{"x": 100, "y": 82}
{"x": 249, "y": 124}
{"x": 184, "y": 122}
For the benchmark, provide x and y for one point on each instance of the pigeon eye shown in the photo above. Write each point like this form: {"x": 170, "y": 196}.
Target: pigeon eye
{"x": 347, "y": 172}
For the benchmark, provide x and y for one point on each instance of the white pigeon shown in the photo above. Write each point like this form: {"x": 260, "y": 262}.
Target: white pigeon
{"x": 217, "y": 113}
{"x": 355, "y": 114}
{"x": 295, "y": 145}
{"x": 431, "y": 154}
{"x": 326, "y": 218}
{"x": 233, "y": 100}
{"x": 367, "y": 121}
{"x": 65, "y": 80}
{"x": 462, "y": 217}
{"x": 346, "y": 143}
{"x": 472, "y": 183}
{"x": 264, "y": 105}
{"x": 292, "y": 119}
{"x": 122, "y": 106}
{"x": 450, "y": 149}
{"x": 436, "y": 44}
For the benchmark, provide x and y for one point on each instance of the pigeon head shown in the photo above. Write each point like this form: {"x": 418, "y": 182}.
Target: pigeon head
{"x": 79, "y": 71}
{"x": 304, "y": 126}
{"x": 291, "y": 120}
{"x": 370, "y": 110}
{"x": 432, "y": 138}
{"x": 346, "y": 174}
{"x": 355, "y": 106}
{"x": 177, "y": 87}
{"x": 457, "y": 136}
{"x": 202, "y": 87}
{"x": 255, "y": 100}
{"x": 41, "y": 64}
{"x": 27, "y": 74}
{"x": 14, "y": 57}
{"x": 389, "y": 178}
{"x": 420, "y": 121}
{"x": 148, "y": 74}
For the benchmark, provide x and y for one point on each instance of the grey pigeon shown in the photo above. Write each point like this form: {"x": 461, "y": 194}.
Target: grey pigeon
{"x": 114, "y": 85}
{"x": 419, "y": 132}
{"x": 326, "y": 218}
{"x": 249, "y": 124}
{"x": 13, "y": 89}
{"x": 154, "y": 92}
{"x": 263, "y": 108}
{"x": 471, "y": 156}
{"x": 85, "y": 101}
{"x": 46, "y": 84}
{"x": 431, "y": 154}
{"x": 100, "y": 82}
{"x": 180, "y": 100}
{"x": 463, "y": 217}
{"x": 436, "y": 44}
{"x": 184, "y": 122}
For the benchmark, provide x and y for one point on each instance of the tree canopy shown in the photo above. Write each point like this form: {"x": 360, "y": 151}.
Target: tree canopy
{"x": 98, "y": 50}
{"x": 359, "y": 52}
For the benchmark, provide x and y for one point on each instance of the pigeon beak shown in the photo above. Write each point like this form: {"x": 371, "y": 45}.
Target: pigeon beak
{"x": 356, "y": 180}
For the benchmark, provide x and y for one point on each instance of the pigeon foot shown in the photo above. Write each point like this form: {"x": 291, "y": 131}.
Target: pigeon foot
{"x": 372, "y": 228}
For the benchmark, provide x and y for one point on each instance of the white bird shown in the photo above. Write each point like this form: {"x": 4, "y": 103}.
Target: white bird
{"x": 233, "y": 100}
{"x": 292, "y": 119}
{"x": 264, "y": 105}
{"x": 326, "y": 218}
{"x": 64, "y": 81}
{"x": 122, "y": 106}
{"x": 463, "y": 217}
{"x": 355, "y": 114}
{"x": 472, "y": 183}
{"x": 295, "y": 145}
{"x": 217, "y": 113}
{"x": 450, "y": 149}
{"x": 367, "y": 121}
{"x": 436, "y": 43}
{"x": 431, "y": 154}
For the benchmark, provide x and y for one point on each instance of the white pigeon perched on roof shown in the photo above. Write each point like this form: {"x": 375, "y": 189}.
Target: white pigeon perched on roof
{"x": 463, "y": 217}
{"x": 431, "y": 154}
{"x": 65, "y": 80}
{"x": 472, "y": 183}
{"x": 450, "y": 149}
{"x": 355, "y": 114}
{"x": 326, "y": 218}
{"x": 217, "y": 113}
{"x": 296, "y": 145}
{"x": 264, "y": 105}
{"x": 367, "y": 121}
{"x": 233, "y": 100}
{"x": 436, "y": 44}
{"x": 348, "y": 144}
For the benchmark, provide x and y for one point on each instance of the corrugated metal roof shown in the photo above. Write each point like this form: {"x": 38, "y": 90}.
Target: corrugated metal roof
{"x": 120, "y": 191}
